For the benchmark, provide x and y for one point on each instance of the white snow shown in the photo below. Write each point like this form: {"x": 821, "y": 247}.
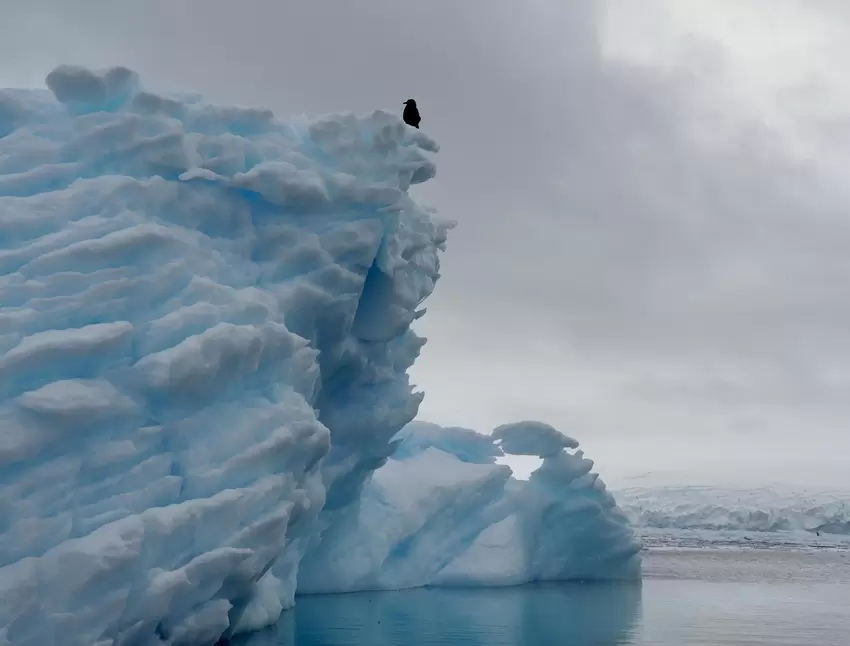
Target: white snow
{"x": 204, "y": 341}
{"x": 775, "y": 508}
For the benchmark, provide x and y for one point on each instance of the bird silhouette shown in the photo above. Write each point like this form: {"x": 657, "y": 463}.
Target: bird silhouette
{"x": 411, "y": 113}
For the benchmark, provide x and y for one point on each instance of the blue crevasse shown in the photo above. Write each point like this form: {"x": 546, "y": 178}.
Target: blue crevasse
{"x": 204, "y": 336}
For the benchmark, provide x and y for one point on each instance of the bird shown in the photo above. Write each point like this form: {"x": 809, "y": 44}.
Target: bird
{"x": 411, "y": 113}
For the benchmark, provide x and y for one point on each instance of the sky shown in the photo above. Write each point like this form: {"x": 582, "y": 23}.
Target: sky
{"x": 653, "y": 222}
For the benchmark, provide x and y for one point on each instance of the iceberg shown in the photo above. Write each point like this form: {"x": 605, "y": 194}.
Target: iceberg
{"x": 205, "y": 331}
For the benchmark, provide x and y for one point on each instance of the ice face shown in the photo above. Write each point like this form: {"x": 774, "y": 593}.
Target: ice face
{"x": 204, "y": 336}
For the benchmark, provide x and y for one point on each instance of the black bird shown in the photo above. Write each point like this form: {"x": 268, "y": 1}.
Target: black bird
{"x": 411, "y": 113}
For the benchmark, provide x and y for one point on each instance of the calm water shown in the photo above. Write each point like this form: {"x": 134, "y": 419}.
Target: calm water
{"x": 690, "y": 596}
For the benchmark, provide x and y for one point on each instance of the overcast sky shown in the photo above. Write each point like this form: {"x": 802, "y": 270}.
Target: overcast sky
{"x": 653, "y": 250}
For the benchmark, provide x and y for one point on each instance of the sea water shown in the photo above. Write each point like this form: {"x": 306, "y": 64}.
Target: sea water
{"x": 771, "y": 593}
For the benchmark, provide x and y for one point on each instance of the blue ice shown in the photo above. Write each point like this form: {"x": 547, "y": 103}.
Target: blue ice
{"x": 205, "y": 333}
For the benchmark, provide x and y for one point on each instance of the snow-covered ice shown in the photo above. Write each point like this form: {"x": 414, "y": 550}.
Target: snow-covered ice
{"x": 204, "y": 341}
{"x": 753, "y": 509}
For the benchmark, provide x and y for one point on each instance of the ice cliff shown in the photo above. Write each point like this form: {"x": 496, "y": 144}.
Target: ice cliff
{"x": 204, "y": 336}
{"x": 774, "y": 509}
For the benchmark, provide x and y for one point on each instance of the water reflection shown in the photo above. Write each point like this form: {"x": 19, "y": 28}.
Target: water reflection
{"x": 601, "y": 614}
